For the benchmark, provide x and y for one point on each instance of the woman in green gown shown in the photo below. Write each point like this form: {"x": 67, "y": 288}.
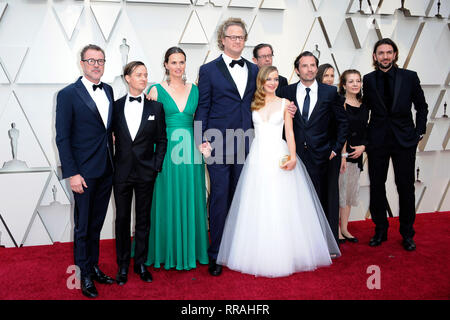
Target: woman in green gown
{"x": 178, "y": 233}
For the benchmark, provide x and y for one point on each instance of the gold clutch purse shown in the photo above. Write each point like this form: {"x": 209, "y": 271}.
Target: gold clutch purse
{"x": 284, "y": 159}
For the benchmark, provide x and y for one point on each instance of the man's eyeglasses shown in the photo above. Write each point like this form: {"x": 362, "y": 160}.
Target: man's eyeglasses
{"x": 265, "y": 56}
{"x": 234, "y": 38}
{"x": 92, "y": 62}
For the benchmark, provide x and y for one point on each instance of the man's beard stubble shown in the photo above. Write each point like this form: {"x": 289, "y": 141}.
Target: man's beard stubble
{"x": 380, "y": 65}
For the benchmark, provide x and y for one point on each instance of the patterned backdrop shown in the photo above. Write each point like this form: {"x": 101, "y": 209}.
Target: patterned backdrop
{"x": 39, "y": 53}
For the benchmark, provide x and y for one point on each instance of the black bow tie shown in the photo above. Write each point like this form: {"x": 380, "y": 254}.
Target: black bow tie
{"x": 138, "y": 99}
{"x": 239, "y": 62}
{"x": 100, "y": 86}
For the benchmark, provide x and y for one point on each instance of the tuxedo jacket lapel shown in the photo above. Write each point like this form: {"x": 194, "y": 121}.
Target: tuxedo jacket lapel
{"x": 397, "y": 85}
{"x": 122, "y": 121}
{"x": 249, "y": 76}
{"x": 110, "y": 109}
{"x": 87, "y": 99}
{"x": 223, "y": 68}
{"x": 317, "y": 105}
{"x": 292, "y": 96}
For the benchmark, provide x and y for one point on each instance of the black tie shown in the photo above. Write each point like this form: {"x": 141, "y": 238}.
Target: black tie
{"x": 138, "y": 99}
{"x": 239, "y": 62}
{"x": 100, "y": 86}
{"x": 306, "y": 105}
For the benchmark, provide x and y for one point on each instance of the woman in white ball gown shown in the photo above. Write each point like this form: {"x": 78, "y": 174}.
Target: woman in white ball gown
{"x": 276, "y": 225}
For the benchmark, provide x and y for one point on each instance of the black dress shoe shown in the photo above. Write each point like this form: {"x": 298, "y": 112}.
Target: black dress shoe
{"x": 378, "y": 238}
{"x": 100, "y": 277}
{"x": 88, "y": 288}
{"x": 122, "y": 276}
{"x": 408, "y": 244}
{"x": 352, "y": 239}
{"x": 341, "y": 241}
{"x": 143, "y": 273}
{"x": 214, "y": 268}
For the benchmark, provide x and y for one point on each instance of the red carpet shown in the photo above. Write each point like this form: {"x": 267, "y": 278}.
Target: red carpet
{"x": 40, "y": 272}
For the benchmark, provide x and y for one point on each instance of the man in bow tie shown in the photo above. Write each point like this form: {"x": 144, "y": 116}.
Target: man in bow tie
{"x": 140, "y": 145}
{"x": 84, "y": 141}
{"x": 226, "y": 88}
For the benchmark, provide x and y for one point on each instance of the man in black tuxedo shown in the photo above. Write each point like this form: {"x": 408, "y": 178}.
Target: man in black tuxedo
{"x": 83, "y": 136}
{"x": 138, "y": 125}
{"x": 389, "y": 92}
{"x": 318, "y": 106}
{"x": 262, "y": 56}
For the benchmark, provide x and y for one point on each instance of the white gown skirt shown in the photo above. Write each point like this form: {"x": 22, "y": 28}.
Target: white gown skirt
{"x": 276, "y": 225}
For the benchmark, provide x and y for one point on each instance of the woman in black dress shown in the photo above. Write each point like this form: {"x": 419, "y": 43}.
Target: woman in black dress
{"x": 352, "y": 152}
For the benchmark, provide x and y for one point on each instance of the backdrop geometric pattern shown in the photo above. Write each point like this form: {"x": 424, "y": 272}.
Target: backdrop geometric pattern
{"x": 39, "y": 53}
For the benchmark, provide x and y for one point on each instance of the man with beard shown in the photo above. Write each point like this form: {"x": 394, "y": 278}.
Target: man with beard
{"x": 320, "y": 127}
{"x": 389, "y": 93}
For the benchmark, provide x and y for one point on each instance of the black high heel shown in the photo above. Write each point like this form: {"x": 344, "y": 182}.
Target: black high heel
{"x": 353, "y": 240}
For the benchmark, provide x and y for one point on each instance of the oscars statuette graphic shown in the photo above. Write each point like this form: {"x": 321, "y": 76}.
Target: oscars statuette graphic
{"x": 14, "y": 164}
{"x": 54, "y": 194}
{"x": 417, "y": 175}
{"x": 120, "y": 81}
{"x": 316, "y": 52}
{"x": 361, "y": 11}
{"x": 54, "y": 215}
{"x": 360, "y": 7}
{"x": 124, "y": 49}
{"x": 438, "y": 15}
{"x": 445, "y": 110}
{"x": 405, "y": 11}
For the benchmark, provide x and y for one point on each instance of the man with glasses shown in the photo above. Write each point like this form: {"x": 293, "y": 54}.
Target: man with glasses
{"x": 226, "y": 88}
{"x": 84, "y": 141}
{"x": 262, "y": 56}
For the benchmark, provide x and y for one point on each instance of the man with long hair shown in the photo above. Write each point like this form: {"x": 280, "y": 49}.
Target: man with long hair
{"x": 389, "y": 93}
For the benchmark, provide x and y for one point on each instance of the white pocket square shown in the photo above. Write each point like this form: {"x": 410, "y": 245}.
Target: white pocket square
{"x": 151, "y": 117}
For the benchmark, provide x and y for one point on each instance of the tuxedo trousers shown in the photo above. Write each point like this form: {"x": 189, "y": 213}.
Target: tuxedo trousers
{"x": 403, "y": 161}
{"x": 332, "y": 207}
{"x": 123, "y": 196}
{"x": 89, "y": 214}
{"x": 223, "y": 182}
{"x": 325, "y": 180}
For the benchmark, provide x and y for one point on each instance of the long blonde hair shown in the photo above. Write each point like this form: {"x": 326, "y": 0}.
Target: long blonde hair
{"x": 259, "y": 99}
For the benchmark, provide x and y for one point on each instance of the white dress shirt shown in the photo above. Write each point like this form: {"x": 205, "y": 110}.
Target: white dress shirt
{"x": 301, "y": 94}
{"x": 238, "y": 73}
{"x": 133, "y": 114}
{"x": 100, "y": 99}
